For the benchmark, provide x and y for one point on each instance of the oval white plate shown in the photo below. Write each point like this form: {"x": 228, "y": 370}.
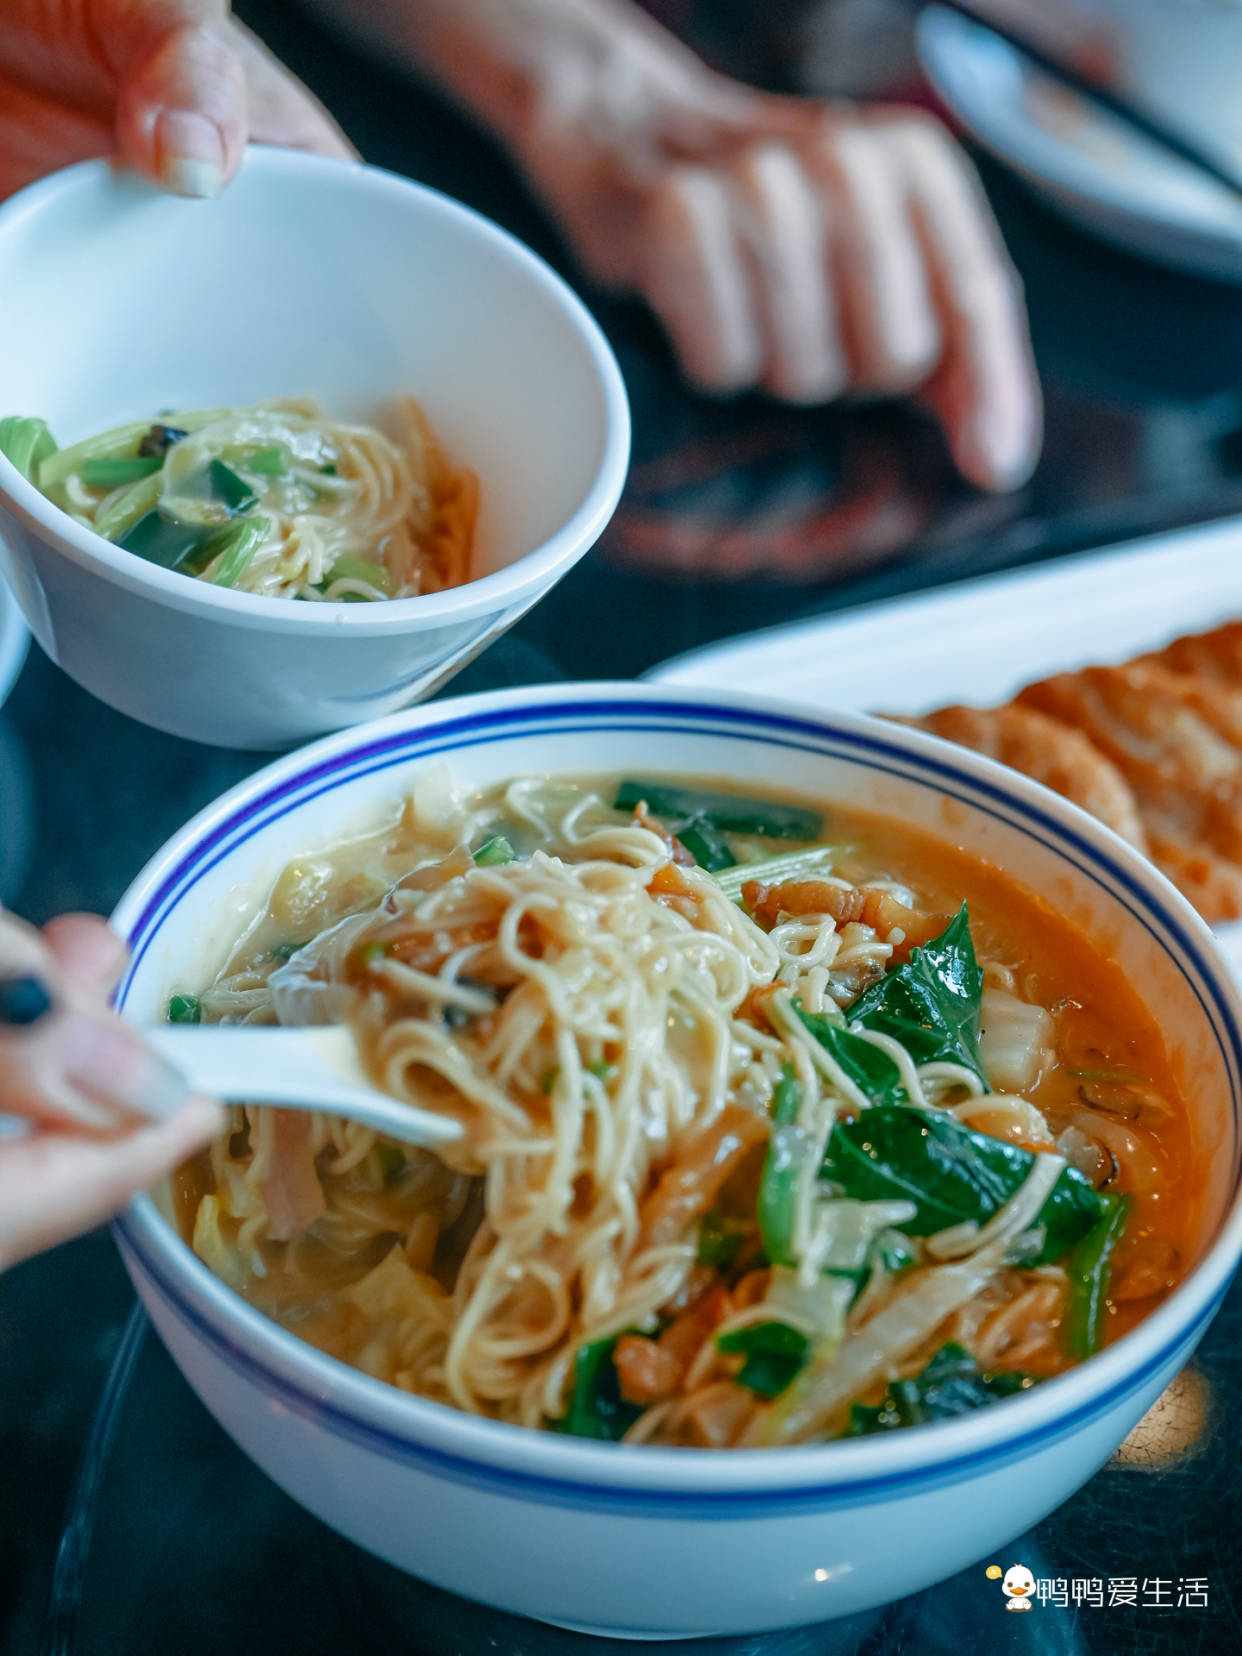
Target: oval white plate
{"x": 1096, "y": 169}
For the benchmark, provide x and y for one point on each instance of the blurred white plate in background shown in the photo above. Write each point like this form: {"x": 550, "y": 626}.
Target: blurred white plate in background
{"x": 14, "y": 640}
{"x": 1100, "y": 172}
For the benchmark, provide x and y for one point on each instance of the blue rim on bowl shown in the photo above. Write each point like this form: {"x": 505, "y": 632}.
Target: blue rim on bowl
{"x": 609, "y": 1477}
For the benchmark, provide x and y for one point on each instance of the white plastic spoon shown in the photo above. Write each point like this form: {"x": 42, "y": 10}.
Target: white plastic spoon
{"x": 300, "y": 1069}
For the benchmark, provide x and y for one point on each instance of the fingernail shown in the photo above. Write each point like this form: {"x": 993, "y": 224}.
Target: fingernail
{"x": 23, "y": 1001}
{"x": 1009, "y": 452}
{"x": 107, "y": 1059}
{"x": 190, "y": 152}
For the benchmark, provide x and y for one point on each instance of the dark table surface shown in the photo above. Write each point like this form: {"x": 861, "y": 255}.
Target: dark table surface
{"x": 128, "y": 1521}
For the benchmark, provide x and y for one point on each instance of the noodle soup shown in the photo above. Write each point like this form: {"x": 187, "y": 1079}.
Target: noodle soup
{"x": 274, "y": 499}
{"x": 780, "y": 1125}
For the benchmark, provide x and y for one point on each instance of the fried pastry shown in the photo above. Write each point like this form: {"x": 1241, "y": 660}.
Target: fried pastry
{"x": 1049, "y": 751}
{"x": 1215, "y": 656}
{"x": 1177, "y": 741}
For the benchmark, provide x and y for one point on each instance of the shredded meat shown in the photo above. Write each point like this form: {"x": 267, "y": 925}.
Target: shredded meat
{"x": 1148, "y": 1266}
{"x": 651, "y": 1370}
{"x": 289, "y": 1183}
{"x": 687, "y": 1189}
{"x": 669, "y": 885}
{"x": 676, "y": 850}
{"x": 866, "y": 904}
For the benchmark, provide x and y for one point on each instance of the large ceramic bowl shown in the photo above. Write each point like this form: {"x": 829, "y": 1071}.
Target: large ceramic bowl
{"x": 307, "y": 275}
{"x": 645, "y": 1541}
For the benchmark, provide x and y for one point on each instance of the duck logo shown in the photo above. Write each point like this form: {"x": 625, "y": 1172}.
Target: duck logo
{"x": 1018, "y": 1587}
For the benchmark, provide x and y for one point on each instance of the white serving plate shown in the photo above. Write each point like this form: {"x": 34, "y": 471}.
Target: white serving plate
{"x": 981, "y": 640}
{"x": 1092, "y": 166}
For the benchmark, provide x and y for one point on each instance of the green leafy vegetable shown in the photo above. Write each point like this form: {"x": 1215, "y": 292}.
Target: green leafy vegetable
{"x": 231, "y": 490}
{"x": 951, "y": 1384}
{"x": 951, "y": 1174}
{"x": 120, "y": 510}
{"x": 706, "y": 844}
{"x": 163, "y": 539}
{"x": 1089, "y": 1268}
{"x": 185, "y": 1009}
{"x": 123, "y": 439}
{"x": 866, "y": 1064}
{"x": 391, "y": 1158}
{"x": 890, "y": 1252}
{"x": 596, "y": 1407}
{"x": 495, "y": 852}
{"x": 349, "y": 568}
{"x": 286, "y": 951}
{"x": 371, "y": 952}
{"x": 111, "y": 473}
{"x": 732, "y": 812}
{"x": 774, "y": 1353}
{"x": 238, "y": 545}
{"x": 26, "y": 442}
{"x": 267, "y": 462}
{"x": 779, "y": 1180}
{"x": 930, "y": 1003}
{"x": 601, "y": 1069}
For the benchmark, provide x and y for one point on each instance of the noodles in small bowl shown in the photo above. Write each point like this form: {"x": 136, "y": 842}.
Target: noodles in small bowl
{"x": 843, "y": 1160}
{"x": 230, "y": 563}
{"x": 275, "y": 499}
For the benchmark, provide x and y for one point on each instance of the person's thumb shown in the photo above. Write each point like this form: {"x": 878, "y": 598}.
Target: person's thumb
{"x": 181, "y": 109}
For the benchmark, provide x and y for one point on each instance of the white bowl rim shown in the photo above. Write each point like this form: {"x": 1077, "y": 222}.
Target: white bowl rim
{"x": 549, "y": 1467}
{"x": 489, "y": 593}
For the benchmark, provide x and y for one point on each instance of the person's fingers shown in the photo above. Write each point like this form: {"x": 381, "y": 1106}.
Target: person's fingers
{"x": 694, "y": 276}
{"x": 885, "y": 295}
{"x": 181, "y": 117}
{"x": 739, "y": 113}
{"x": 282, "y": 111}
{"x": 782, "y": 222}
{"x": 985, "y": 391}
{"x": 87, "y": 950}
{"x": 39, "y": 133}
{"x": 55, "y": 1185}
{"x": 65, "y": 1058}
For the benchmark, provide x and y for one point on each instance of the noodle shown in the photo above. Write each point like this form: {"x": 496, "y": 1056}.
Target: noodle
{"x": 280, "y": 501}
{"x": 614, "y": 1031}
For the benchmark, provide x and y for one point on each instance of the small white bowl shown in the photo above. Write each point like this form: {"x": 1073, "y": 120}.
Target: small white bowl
{"x": 307, "y": 275}
{"x": 650, "y": 1542}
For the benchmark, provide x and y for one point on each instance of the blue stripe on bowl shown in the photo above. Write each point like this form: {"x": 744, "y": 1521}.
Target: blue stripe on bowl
{"x": 690, "y": 719}
{"x": 599, "y": 1495}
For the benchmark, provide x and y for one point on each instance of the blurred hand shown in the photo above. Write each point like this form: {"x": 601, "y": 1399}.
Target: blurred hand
{"x": 105, "y": 1116}
{"x": 786, "y": 243}
{"x": 174, "y": 86}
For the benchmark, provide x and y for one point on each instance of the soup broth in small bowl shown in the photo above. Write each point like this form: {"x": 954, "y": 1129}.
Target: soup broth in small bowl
{"x": 850, "y": 1151}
